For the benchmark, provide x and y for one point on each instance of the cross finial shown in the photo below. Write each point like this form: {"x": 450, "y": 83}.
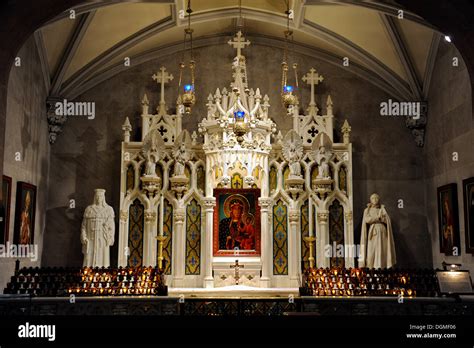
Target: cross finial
{"x": 162, "y": 77}
{"x": 239, "y": 42}
{"x": 312, "y": 78}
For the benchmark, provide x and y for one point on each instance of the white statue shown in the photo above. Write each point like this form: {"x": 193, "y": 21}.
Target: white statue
{"x": 180, "y": 156}
{"x": 322, "y": 154}
{"x": 150, "y": 168}
{"x": 97, "y": 232}
{"x": 293, "y": 152}
{"x": 322, "y": 158}
{"x": 376, "y": 240}
{"x": 181, "y": 153}
{"x": 152, "y": 144}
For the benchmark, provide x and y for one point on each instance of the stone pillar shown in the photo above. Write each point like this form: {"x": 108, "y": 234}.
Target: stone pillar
{"x": 149, "y": 240}
{"x": 349, "y": 240}
{"x": 266, "y": 242}
{"x": 322, "y": 239}
{"x": 209, "y": 204}
{"x": 179, "y": 257}
{"x": 123, "y": 239}
{"x": 293, "y": 250}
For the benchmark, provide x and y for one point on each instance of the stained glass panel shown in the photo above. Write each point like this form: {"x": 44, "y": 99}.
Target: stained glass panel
{"x": 336, "y": 232}
{"x": 168, "y": 233}
{"x": 304, "y": 233}
{"x": 136, "y": 223}
{"x": 193, "y": 238}
{"x": 280, "y": 239}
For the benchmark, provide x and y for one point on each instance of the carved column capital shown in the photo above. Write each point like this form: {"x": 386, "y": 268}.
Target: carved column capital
{"x": 323, "y": 217}
{"x": 179, "y": 216}
{"x": 348, "y": 216}
{"x": 294, "y": 216}
{"x": 265, "y": 203}
{"x": 209, "y": 203}
{"x": 150, "y": 216}
{"x": 123, "y": 215}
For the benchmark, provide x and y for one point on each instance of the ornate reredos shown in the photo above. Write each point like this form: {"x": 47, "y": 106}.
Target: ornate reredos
{"x": 187, "y": 169}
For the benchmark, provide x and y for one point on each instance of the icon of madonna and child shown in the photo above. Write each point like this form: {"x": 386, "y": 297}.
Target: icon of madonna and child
{"x": 238, "y": 227}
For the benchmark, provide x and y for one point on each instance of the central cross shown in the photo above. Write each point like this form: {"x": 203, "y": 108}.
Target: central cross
{"x": 312, "y": 78}
{"x": 162, "y": 77}
{"x": 239, "y": 42}
{"x": 236, "y": 268}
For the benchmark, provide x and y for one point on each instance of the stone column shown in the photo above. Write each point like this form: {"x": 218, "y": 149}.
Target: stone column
{"x": 149, "y": 241}
{"x": 123, "y": 239}
{"x": 322, "y": 239}
{"x": 293, "y": 260}
{"x": 349, "y": 241}
{"x": 266, "y": 246}
{"x": 209, "y": 204}
{"x": 179, "y": 255}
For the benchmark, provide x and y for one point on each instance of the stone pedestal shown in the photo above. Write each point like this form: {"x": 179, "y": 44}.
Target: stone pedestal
{"x": 294, "y": 186}
{"x": 151, "y": 184}
{"x": 322, "y": 186}
{"x": 179, "y": 184}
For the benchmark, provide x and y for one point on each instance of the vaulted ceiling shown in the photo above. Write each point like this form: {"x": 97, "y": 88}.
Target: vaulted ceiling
{"x": 395, "y": 54}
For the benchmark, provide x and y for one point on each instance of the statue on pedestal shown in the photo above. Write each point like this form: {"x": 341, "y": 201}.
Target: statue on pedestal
{"x": 293, "y": 152}
{"x": 97, "y": 232}
{"x": 376, "y": 240}
{"x": 180, "y": 155}
{"x": 323, "y": 156}
{"x": 152, "y": 144}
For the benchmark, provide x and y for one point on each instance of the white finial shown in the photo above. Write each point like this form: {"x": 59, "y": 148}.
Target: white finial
{"x": 145, "y": 104}
{"x": 127, "y": 128}
{"x": 329, "y": 106}
{"x": 346, "y": 131}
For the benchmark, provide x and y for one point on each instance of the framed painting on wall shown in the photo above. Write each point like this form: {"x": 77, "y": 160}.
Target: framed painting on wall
{"x": 25, "y": 205}
{"x": 236, "y": 222}
{"x": 5, "y": 213}
{"x": 468, "y": 195}
{"x": 448, "y": 220}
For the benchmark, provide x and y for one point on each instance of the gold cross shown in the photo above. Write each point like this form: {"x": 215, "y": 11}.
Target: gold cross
{"x": 236, "y": 268}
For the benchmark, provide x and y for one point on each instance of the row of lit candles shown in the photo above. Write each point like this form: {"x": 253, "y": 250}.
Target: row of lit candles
{"x": 361, "y": 292}
{"x": 325, "y": 279}
{"x": 114, "y": 291}
{"x": 350, "y": 286}
{"x": 125, "y": 279}
{"x": 100, "y": 285}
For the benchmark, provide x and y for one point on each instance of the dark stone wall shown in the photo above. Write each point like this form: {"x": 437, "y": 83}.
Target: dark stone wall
{"x": 386, "y": 160}
{"x": 450, "y": 129}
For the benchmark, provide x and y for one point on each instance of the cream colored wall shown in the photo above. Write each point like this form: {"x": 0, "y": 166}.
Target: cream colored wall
{"x": 26, "y": 134}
